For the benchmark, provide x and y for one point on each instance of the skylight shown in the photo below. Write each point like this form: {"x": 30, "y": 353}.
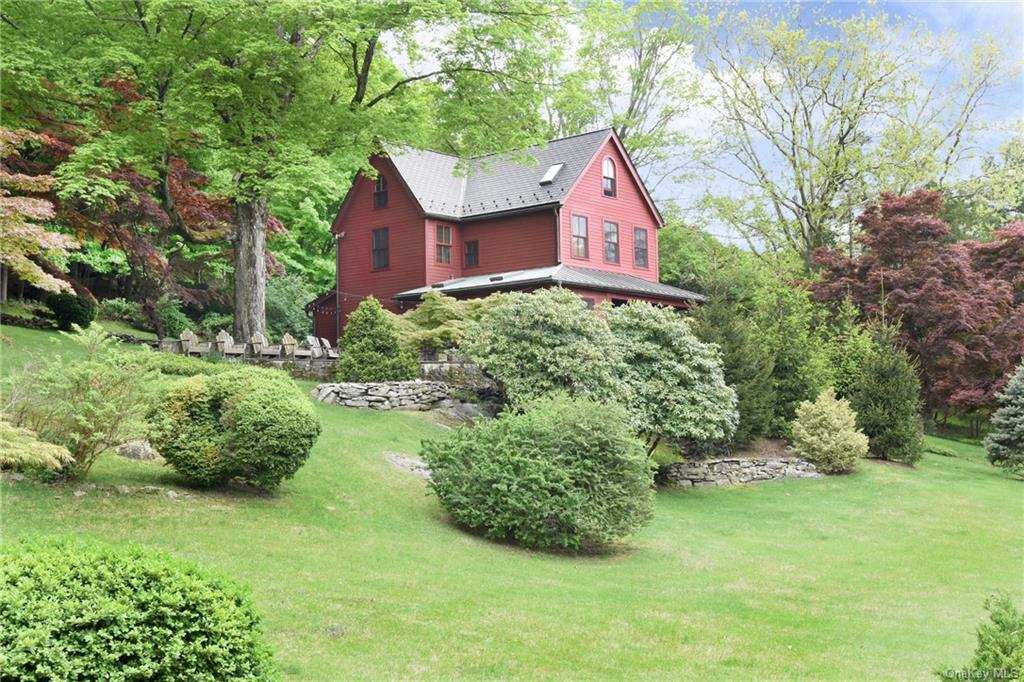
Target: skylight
{"x": 549, "y": 177}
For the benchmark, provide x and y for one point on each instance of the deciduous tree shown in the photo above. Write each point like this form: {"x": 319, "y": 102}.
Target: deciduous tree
{"x": 960, "y": 321}
{"x": 816, "y": 115}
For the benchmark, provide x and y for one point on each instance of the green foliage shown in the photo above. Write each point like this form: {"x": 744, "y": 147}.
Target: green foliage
{"x": 87, "y": 404}
{"x": 246, "y": 423}
{"x": 825, "y": 433}
{"x": 746, "y": 362}
{"x": 677, "y": 388}
{"x": 546, "y": 341}
{"x": 369, "y": 349}
{"x": 1000, "y": 650}
{"x": 564, "y": 473}
{"x": 286, "y": 296}
{"x": 784, "y": 317}
{"x": 171, "y": 319}
{"x": 176, "y": 365}
{"x": 439, "y": 322}
{"x": 888, "y": 403}
{"x": 1005, "y": 442}
{"x": 214, "y": 322}
{"x": 977, "y": 206}
{"x": 71, "y": 310}
{"x": 21, "y": 449}
{"x": 847, "y": 345}
{"x": 120, "y": 310}
{"x": 75, "y": 611}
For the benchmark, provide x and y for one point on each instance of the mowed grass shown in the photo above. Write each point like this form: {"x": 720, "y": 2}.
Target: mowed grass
{"x": 357, "y": 573}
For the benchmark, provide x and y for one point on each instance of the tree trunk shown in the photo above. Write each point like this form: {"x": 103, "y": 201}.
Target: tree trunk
{"x": 250, "y": 267}
{"x": 3, "y": 284}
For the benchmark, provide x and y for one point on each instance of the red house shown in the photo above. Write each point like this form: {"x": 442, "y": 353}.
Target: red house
{"x": 580, "y": 218}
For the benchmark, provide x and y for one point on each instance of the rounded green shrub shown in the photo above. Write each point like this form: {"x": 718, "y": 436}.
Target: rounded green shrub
{"x": 83, "y": 611}
{"x": 825, "y": 433}
{"x": 247, "y": 423}
{"x": 544, "y": 341}
{"x": 369, "y": 349}
{"x": 565, "y": 473}
{"x": 69, "y": 310}
{"x": 887, "y": 401}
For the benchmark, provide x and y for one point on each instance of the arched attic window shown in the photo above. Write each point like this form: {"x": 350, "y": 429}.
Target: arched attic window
{"x": 380, "y": 192}
{"x": 608, "y": 177}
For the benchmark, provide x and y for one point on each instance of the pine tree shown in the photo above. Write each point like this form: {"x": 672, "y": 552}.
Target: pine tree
{"x": 888, "y": 403}
{"x": 369, "y": 348}
{"x": 1005, "y": 441}
{"x": 747, "y": 364}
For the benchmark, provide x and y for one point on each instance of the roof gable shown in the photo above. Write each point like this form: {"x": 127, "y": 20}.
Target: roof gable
{"x": 494, "y": 184}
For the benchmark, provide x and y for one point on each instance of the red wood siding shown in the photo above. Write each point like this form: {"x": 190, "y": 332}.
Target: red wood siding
{"x": 437, "y": 272}
{"x": 511, "y": 243}
{"x": 628, "y": 209}
{"x": 358, "y": 219}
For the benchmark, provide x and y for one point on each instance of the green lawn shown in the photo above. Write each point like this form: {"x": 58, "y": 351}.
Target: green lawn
{"x": 358, "y": 575}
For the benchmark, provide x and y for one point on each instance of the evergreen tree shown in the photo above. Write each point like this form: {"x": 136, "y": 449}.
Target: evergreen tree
{"x": 369, "y": 348}
{"x": 747, "y": 364}
{"x": 1005, "y": 442}
{"x": 888, "y": 403}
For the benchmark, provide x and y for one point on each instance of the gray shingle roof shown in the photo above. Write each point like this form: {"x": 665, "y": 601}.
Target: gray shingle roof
{"x": 491, "y": 183}
{"x": 561, "y": 275}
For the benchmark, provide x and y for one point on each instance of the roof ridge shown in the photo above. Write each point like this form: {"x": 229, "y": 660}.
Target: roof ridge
{"x": 557, "y": 139}
{"x": 480, "y": 156}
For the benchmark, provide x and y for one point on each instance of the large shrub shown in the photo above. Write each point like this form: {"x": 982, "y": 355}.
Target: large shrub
{"x": 677, "y": 386}
{"x": 369, "y": 349}
{"x": 1005, "y": 442}
{"x": 825, "y": 433}
{"x": 286, "y": 297}
{"x": 88, "y": 404}
{"x": 247, "y": 423}
{"x": 746, "y": 362}
{"x": 70, "y": 310}
{"x": 784, "y": 317}
{"x": 82, "y": 611}
{"x": 564, "y": 473}
{"x": 1000, "y": 650}
{"x": 545, "y": 341}
{"x": 887, "y": 401}
{"x": 440, "y": 322}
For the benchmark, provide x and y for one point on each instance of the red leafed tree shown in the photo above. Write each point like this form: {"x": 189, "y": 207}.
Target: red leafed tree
{"x": 956, "y": 302}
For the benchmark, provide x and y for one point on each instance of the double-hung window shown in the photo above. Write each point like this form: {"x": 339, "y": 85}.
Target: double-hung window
{"x": 640, "y": 247}
{"x": 443, "y": 244}
{"x": 579, "y": 236}
{"x": 380, "y": 192}
{"x": 611, "y": 242}
{"x": 608, "y": 177}
{"x": 471, "y": 256}
{"x": 381, "y": 249}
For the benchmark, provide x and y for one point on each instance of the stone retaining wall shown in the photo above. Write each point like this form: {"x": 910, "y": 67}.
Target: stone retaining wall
{"x": 389, "y": 395}
{"x": 730, "y": 471}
